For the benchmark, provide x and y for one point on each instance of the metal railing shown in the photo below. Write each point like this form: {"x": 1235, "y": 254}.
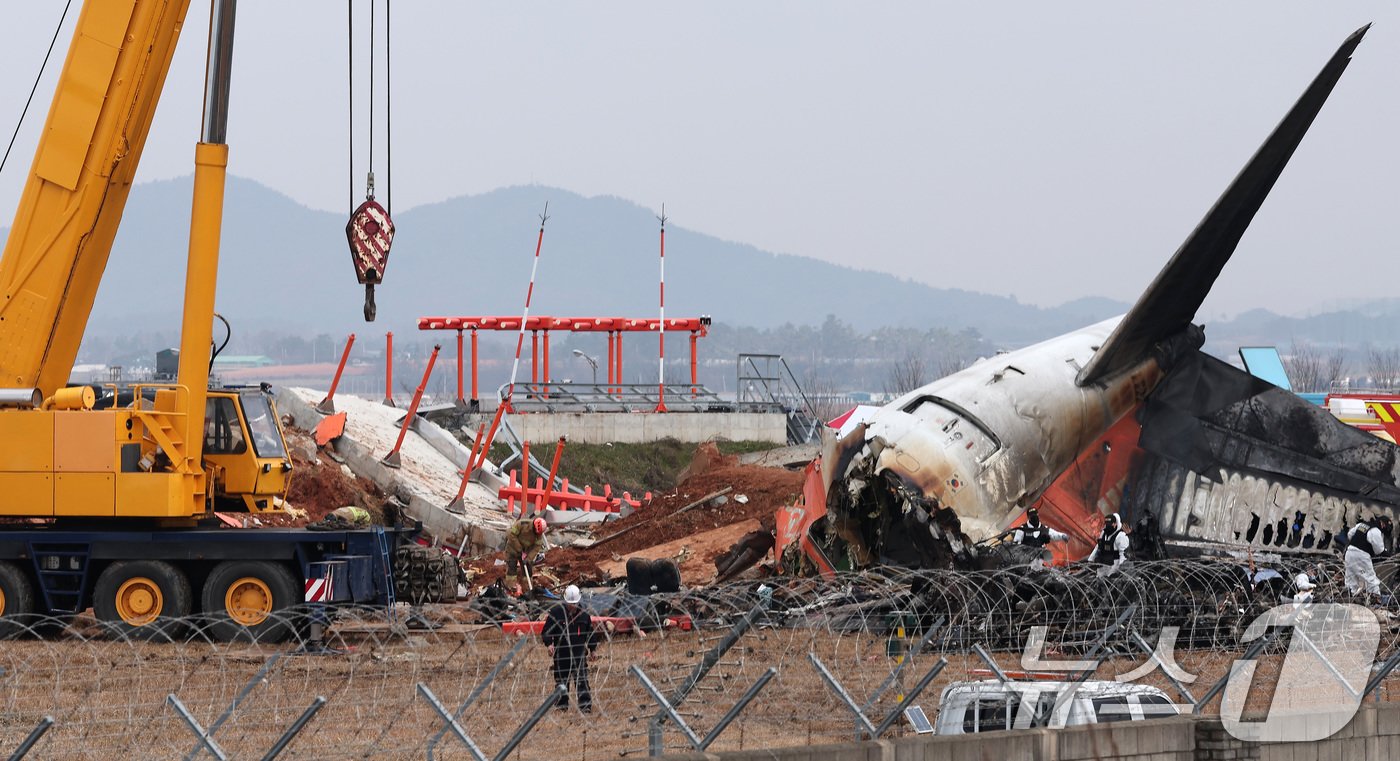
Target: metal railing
{"x": 612, "y": 397}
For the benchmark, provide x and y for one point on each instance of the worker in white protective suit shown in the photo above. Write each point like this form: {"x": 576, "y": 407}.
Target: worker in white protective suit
{"x": 1365, "y": 542}
{"x": 1112, "y": 549}
{"x": 1303, "y": 587}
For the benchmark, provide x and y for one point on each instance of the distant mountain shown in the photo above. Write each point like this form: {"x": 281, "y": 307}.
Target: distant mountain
{"x": 286, "y": 268}
{"x": 1372, "y": 323}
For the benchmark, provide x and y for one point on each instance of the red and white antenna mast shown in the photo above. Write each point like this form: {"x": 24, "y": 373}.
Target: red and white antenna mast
{"x": 661, "y": 324}
{"x": 524, "y": 318}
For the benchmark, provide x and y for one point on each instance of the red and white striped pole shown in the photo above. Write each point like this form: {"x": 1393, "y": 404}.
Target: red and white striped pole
{"x": 530, "y": 292}
{"x": 661, "y": 325}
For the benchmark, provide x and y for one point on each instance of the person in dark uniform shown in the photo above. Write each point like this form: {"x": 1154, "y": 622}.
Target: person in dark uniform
{"x": 571, "y": 639}
{"x": 1112, "y": 547}
{"x": 1033, "y": 533}
{"x": 1038, "y": 536}
{"x": 1365, "y": 542}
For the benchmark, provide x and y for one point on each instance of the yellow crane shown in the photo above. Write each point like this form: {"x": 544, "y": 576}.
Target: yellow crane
{"x": 125, "y": 488}
{"x": 58, "y": 456}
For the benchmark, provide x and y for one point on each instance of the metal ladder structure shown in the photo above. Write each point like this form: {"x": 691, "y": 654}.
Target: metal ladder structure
{"x": 387, "y": 565}
{"x": 765, "y": 383}
{"x": 65, "y": 583}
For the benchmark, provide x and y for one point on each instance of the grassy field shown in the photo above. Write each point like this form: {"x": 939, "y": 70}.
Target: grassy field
{"x": 636, "y": 468}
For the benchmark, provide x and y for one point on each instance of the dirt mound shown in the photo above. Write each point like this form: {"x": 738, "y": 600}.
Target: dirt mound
{"x": 320, "y": 485}
{"x": 707, "y": 458}
{"x": 764, "y": 490}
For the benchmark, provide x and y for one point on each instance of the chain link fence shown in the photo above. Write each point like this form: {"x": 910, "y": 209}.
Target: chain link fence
{"x": 741, "y": 666}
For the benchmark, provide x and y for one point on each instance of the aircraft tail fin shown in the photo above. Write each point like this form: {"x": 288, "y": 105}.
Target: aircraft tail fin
{"x": 1170, "y": 302}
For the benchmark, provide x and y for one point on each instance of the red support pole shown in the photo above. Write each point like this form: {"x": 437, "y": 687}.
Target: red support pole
{"x": 459, "y": 401}
{"x": 525, "y": 475}
{"x": 389, "y": 369}
{"x": 543, "y": 501}
{"x": 456, "y": 505}
{"x": 546, "y": 364}
{"x": 611, "y": 380}
{"x": 534, "y": 357}
{"x": 476, "y": 400}
{"x": 619, "y": 362}
{"x": 327, "y": 405}
{"x": 392, "y": 459}
{"x": 472, "y": 466}
{"x": 693, "y": 392}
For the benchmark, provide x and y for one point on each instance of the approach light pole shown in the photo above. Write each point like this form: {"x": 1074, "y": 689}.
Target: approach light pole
{"x": 593, "y": 363}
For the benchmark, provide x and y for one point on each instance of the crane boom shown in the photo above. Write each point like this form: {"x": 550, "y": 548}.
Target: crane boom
{"x": 77, "y": 188}
{"x": 124, "y": 488}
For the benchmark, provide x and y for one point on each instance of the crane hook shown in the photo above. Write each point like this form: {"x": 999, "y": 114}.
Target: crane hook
{"x": 370, "y": 232}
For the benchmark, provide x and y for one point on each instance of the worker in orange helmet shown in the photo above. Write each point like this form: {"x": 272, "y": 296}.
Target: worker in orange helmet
{"x": 525, "y": 547}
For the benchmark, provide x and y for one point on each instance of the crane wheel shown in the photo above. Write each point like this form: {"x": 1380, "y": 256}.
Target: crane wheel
{"x": 141, "y": 599}
{"x": 249, "y": 601}
{"x": 16, "y": 601}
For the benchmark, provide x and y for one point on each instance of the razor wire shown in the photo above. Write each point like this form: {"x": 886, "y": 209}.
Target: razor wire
{"x": 111, "y": 691}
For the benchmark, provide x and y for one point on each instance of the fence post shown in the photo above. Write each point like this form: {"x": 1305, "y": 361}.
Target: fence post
{"x": 1249, "y": 655}
{"x": 294, "y": 730}
{"x": 655, "y": 746}
{"x": 34, "y": 735}
{"x": 899, "y": 669}
{"x": 243, "y": 693}
{"x": 476, "y": 693}
{"x": 870, "y": 729}
{"x": 205, "y": 741}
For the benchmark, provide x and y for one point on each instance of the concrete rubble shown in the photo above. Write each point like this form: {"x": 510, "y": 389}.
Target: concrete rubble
{"x": 430, "y": 475}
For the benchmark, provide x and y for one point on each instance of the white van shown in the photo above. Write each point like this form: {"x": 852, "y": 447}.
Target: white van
{"x": 991, "y": 705}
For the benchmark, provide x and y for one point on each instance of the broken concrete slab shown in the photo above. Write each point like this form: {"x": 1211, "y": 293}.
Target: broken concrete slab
{"x": 795, "y": 456}
{"x": 425, "y": 485}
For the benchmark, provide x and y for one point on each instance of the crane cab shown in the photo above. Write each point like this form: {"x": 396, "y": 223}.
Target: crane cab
{"x": 244, "y": 450}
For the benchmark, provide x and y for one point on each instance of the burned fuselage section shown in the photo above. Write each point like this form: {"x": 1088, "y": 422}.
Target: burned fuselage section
{"x": 956, "y": 461}
{"x": 1234, "y": 463}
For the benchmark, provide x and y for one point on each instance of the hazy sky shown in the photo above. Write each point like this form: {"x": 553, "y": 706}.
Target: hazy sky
{"x": 1045, "y": 150}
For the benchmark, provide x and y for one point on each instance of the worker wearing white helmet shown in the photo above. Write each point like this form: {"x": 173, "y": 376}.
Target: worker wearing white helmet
{"x": 571, "y": 639}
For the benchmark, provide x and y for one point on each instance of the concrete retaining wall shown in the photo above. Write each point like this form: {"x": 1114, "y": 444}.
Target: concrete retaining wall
{"x": 1372, "y": 735}
{"x": 643, "y": 427}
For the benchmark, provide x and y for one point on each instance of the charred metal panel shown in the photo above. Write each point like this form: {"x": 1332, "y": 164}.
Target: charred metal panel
{"x": 1236, "y": 461}
{"x": 1228, "y": 509}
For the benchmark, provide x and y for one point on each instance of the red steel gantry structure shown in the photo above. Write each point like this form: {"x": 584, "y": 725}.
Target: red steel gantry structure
{"x": 539, "y": 371}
